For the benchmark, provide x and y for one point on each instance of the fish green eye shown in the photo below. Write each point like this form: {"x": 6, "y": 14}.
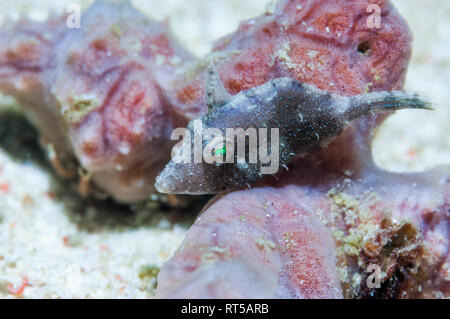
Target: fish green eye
{"x": 220, "y": 151}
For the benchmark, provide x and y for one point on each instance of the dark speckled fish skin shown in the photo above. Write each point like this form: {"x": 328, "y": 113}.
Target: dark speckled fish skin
{"x": 307, "y": 119}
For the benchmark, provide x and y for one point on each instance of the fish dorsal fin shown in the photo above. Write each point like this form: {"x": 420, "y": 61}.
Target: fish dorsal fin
{"x": 216, "y": 94}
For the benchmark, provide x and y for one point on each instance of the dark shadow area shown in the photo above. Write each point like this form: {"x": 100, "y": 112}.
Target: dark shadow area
{"x": 96, "y": 215}
{"x": 20, "y": 140}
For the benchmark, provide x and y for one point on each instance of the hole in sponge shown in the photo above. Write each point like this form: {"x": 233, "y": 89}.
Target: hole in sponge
{"x": 364, "y": 48}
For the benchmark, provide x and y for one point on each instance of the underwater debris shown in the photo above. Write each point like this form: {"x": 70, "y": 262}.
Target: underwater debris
{"x": 149, "y": 274}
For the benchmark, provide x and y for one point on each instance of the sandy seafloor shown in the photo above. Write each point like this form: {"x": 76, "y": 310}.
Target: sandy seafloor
{"x": 53, "y": 245}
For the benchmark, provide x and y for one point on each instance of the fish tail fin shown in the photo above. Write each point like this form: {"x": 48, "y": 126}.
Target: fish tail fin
{"x": 398, "y": 100}
{"x": 376, "y": 102}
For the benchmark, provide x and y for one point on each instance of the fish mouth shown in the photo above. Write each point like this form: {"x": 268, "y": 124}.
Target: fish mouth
{"x": 166, "y": 184}
{"x": 175, "y": 179}
{"x": 188, "y": 179}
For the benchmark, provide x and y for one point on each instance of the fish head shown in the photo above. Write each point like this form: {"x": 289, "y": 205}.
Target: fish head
{"x": 197, "y": 164}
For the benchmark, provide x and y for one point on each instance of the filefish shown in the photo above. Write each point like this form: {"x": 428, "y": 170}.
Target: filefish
{"x": 255, "y": 133}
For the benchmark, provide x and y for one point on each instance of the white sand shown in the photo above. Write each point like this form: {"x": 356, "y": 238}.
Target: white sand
{"x": 98, "y": 261}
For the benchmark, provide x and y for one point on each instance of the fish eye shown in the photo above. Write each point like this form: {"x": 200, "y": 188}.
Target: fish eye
{"x": 218, "y": 150}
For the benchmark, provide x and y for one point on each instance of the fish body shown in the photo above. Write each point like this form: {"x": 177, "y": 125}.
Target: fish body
{"x": 246, "y": 137}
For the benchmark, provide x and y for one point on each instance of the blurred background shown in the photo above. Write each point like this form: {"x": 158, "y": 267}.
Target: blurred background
{"x": 53, "y": 244}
